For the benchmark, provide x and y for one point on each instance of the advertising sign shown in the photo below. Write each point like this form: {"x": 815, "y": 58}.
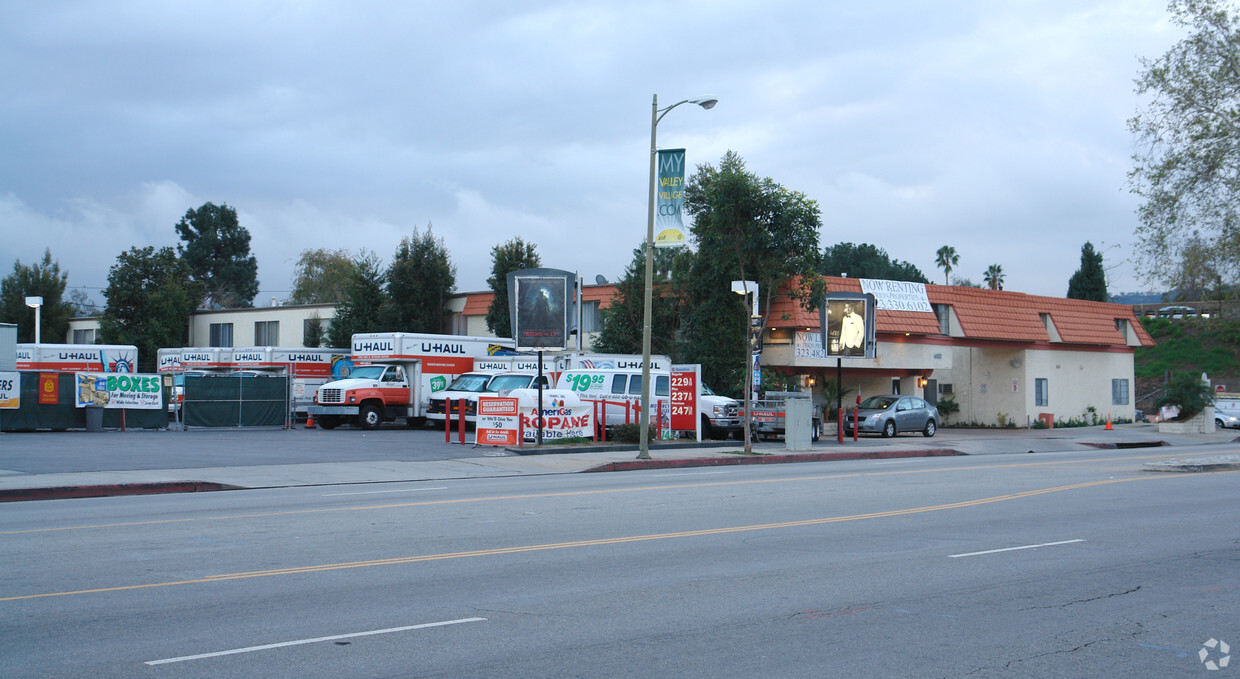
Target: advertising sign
{"x": 897, "y": 295}
{"x": 809, "y": 345}
{"x": 497, "y": 422}
{"x": 669, "y": 203}
{"x": 685, "y": 394}
{"x": 10, "y": 389}
{"x": 558, "y": 421}
{"x": 119, "y": 390}
{"x": 49, "y": 389}
{"x": 848, "y": 325}
{"x": 542, "y": 312}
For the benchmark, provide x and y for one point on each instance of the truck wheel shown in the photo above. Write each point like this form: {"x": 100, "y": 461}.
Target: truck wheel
{"x": 889, "y": 429}
{"x": 369, "y": 417}
{"x": 709, "y": 433}
{"x": 816, "y": 433}
{"x": 329, "y": 422}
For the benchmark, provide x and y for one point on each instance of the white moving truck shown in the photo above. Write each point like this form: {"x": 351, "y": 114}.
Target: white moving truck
{"x": 71, "y": 358}
{"x": 394, "y": 375}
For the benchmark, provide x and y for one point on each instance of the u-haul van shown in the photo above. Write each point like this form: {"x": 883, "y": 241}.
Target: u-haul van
{"x": 719, "y": 415}
{"x": 306, "y": 369}
{"x": 394, "y": 375}
{"x": 616, "y": 380}
{"x": 206, "y": 359}
{"x": 69, "y": 358}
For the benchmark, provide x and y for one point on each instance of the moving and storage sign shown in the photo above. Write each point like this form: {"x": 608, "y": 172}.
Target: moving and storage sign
{"x": 10, "y": 389}
{"x": 497, "y": 422}
{"x": 119, "y": 390}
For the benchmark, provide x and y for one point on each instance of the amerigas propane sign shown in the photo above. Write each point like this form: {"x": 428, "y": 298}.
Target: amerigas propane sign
{"x": 119, "y": 390}
{"x": 560, "y": 420}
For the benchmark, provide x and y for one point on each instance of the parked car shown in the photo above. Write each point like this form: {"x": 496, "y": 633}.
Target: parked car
{"x": 1177, "y": 312}
{"x": 1226, "y": 415}
{"x": 892, "y": 414}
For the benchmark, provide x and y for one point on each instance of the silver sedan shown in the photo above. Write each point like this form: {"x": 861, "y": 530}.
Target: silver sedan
{"x": 892, "y": 414}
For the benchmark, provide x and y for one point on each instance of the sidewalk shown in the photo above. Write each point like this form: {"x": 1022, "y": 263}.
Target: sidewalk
{"x": 561, "y": 460}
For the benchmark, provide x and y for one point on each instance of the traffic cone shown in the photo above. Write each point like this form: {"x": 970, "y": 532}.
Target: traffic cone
{"x": 310, "y": 422}
{"x": 1109, "y": 427}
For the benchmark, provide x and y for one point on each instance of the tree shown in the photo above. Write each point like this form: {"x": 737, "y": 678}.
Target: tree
{"x": 45, "y": 280}
{"x": 217, "y": 251}
{"x": 867, "y": 261}
{"x": 362, "y": 310}
{"x": 1090, "y": 281}
{"x": 313, "y": 333}
{"x": 946, "y": 259}
{"x": 149, "y": 301}
{"x": 514, "y": 255}
{"x": 746, "y": 228}
{"x": 994, "y": 277}
{"x": 622, "y": 322}
{"x": 322, "y": 276}
{"x": 420, "y": 279}
{"x": 1196, "y": 278}
{"x": 1187, "y": 163}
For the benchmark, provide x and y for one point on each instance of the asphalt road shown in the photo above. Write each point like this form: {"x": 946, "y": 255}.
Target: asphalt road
{"x": 1073, "y": 564}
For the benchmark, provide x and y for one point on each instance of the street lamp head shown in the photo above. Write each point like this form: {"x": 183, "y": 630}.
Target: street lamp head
{"x": 34, "y": 302}
{"x": 705, "y": 102}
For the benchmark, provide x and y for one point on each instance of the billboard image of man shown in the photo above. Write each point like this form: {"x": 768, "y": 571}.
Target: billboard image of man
{"x": 852, "y": 332}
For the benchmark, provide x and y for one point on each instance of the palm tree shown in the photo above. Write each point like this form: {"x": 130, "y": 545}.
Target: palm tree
{"x": 994, "y": 277}
{"x": 947, "y": 258}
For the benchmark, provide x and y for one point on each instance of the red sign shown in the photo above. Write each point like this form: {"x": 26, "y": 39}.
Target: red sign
{"x": 49, "y": 389}
{"x": 1220, "y": 388}
{"x": 497, "y": 422}
{"x": 684, "y": 400}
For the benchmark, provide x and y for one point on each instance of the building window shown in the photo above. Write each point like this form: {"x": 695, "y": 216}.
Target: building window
{"x": 945, "y": 387}
{"x": 895, "y": 385}
{"x": 84, "y": 336}
{"x": 1041, "y": 395}
{"x": 1122, "y": 326}
{"x": 267, "y": 333}
{"x": 590, "y": 317}
{"x": 458, "y": 324}
{"x": 1119, "y": 392}
{"x": 221, "y": 335}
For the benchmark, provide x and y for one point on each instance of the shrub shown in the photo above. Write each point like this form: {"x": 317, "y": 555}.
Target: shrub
{"x": 630, "y": 433}
{"x": 948, "y": 407}
{"x": 1187, "y": 392}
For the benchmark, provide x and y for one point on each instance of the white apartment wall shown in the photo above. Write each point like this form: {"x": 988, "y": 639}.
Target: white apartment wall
{"x": 291, "y": 319}
{"x": 1077, "y": 380}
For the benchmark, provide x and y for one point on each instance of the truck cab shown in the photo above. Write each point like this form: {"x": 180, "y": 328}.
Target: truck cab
{"x": 370, "y": 395}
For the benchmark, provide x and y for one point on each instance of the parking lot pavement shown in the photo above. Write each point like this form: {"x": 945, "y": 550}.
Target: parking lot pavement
{"x": 45, "y": 465}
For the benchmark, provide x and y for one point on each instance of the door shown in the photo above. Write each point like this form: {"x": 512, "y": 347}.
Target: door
{"x": 931, "y": 392}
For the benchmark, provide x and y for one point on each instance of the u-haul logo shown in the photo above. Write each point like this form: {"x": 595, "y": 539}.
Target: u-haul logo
{"x": 443, "y": 348}
{"x": 373, "y": 346}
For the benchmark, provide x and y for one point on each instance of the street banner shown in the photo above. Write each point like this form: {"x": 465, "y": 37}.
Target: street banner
{"x": 119, "y": 390}
{"x": 10, "y": 389}
{"x": 669, "y": 227}
{"x": 497, "y": 422}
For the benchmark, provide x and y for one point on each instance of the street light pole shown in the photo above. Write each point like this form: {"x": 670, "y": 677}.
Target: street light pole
{"x": 37, "y": 304}
{"x": 655, "y": 116}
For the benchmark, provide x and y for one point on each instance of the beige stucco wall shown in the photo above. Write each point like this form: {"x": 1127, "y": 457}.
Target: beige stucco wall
{"x": 291, "y": 318}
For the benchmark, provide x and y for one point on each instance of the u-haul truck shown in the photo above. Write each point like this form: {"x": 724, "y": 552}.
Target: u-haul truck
{"x": 394, "y": 375}
{"x": 70, "y": 358}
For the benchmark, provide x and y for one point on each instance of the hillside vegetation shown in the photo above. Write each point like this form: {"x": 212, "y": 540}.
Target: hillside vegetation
{"x": 1209, "y": 345}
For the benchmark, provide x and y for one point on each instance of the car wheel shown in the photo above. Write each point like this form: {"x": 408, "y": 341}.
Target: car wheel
{"x": 328, "y": 422}
{"x": 369, "y": 418}
{"x": 889, "y": 429}
{"x": 817, "y": 431}
{"x": 708, "y": 432}
{"x": 1218, "y": 424}
{"x": 931, "y": 427}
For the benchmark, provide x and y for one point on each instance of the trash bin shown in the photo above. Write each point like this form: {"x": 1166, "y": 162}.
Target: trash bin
{"x": 94, "y": 418}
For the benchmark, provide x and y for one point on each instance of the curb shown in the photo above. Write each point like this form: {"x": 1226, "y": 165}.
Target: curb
{"x": 1125, "y": 444}
{"x": 65, "y": 492}
{"x": 632, "y": 465}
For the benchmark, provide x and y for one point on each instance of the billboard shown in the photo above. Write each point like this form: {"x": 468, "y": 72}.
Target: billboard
{"x": 848, "y": 325}
{"x": 541, "y": 305}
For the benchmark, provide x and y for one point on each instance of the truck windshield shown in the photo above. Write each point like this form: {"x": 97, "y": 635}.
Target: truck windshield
{"x": 367, "y": 372}
{"x": 474, "y": 383}
{"x": 505, "y": 382}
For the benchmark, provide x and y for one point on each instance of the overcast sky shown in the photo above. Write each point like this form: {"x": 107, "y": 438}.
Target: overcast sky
{"x": 995, "y": 127}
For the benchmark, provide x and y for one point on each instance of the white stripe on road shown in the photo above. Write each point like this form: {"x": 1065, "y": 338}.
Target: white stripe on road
{"x": 302, "y": 642}
{"x": 1014, "y": 549}
{"x": 378, "y": 492}
{"x": 690, "y": 474}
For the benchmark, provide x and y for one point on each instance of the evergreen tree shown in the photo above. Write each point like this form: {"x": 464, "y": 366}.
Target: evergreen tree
{"x": 363, "y": 310}
{"x": 867, "y": 261}
{"x": 217, "y": 251}
{"x": 621, "y": 331}
{"x": 1089, "y": 281}
{"x": 420, "y": 280}
{"x": 514, "y": 255}
{"x": 45, "y": 280}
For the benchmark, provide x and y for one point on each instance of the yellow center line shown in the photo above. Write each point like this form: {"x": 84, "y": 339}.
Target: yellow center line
{"x": 705, "y": 484}
{"x": 320, "y": 568}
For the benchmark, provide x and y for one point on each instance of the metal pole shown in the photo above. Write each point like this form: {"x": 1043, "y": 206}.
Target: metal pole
{"x": 644, "y": 449}
{"x": 539, "y": 435}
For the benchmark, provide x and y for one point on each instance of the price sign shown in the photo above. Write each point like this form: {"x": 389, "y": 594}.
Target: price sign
{"x": 684, "y": 399}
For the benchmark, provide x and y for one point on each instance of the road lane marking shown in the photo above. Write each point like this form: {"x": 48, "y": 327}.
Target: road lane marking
{"x": 381, "y": 492}
{"x": 1015, "y": 549}
{"x": 519, "y": 549}
{"x": 500, "y": 498}
{"x": 687, "y": 474}
{"x": 317, "y": 640}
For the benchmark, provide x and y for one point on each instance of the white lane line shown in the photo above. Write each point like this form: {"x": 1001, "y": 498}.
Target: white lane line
{"x": 378, "y": 492}
{"x": 302, "y": 642}
{"x": 690, "y": 474}
{"x": 1014, "y": 549}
